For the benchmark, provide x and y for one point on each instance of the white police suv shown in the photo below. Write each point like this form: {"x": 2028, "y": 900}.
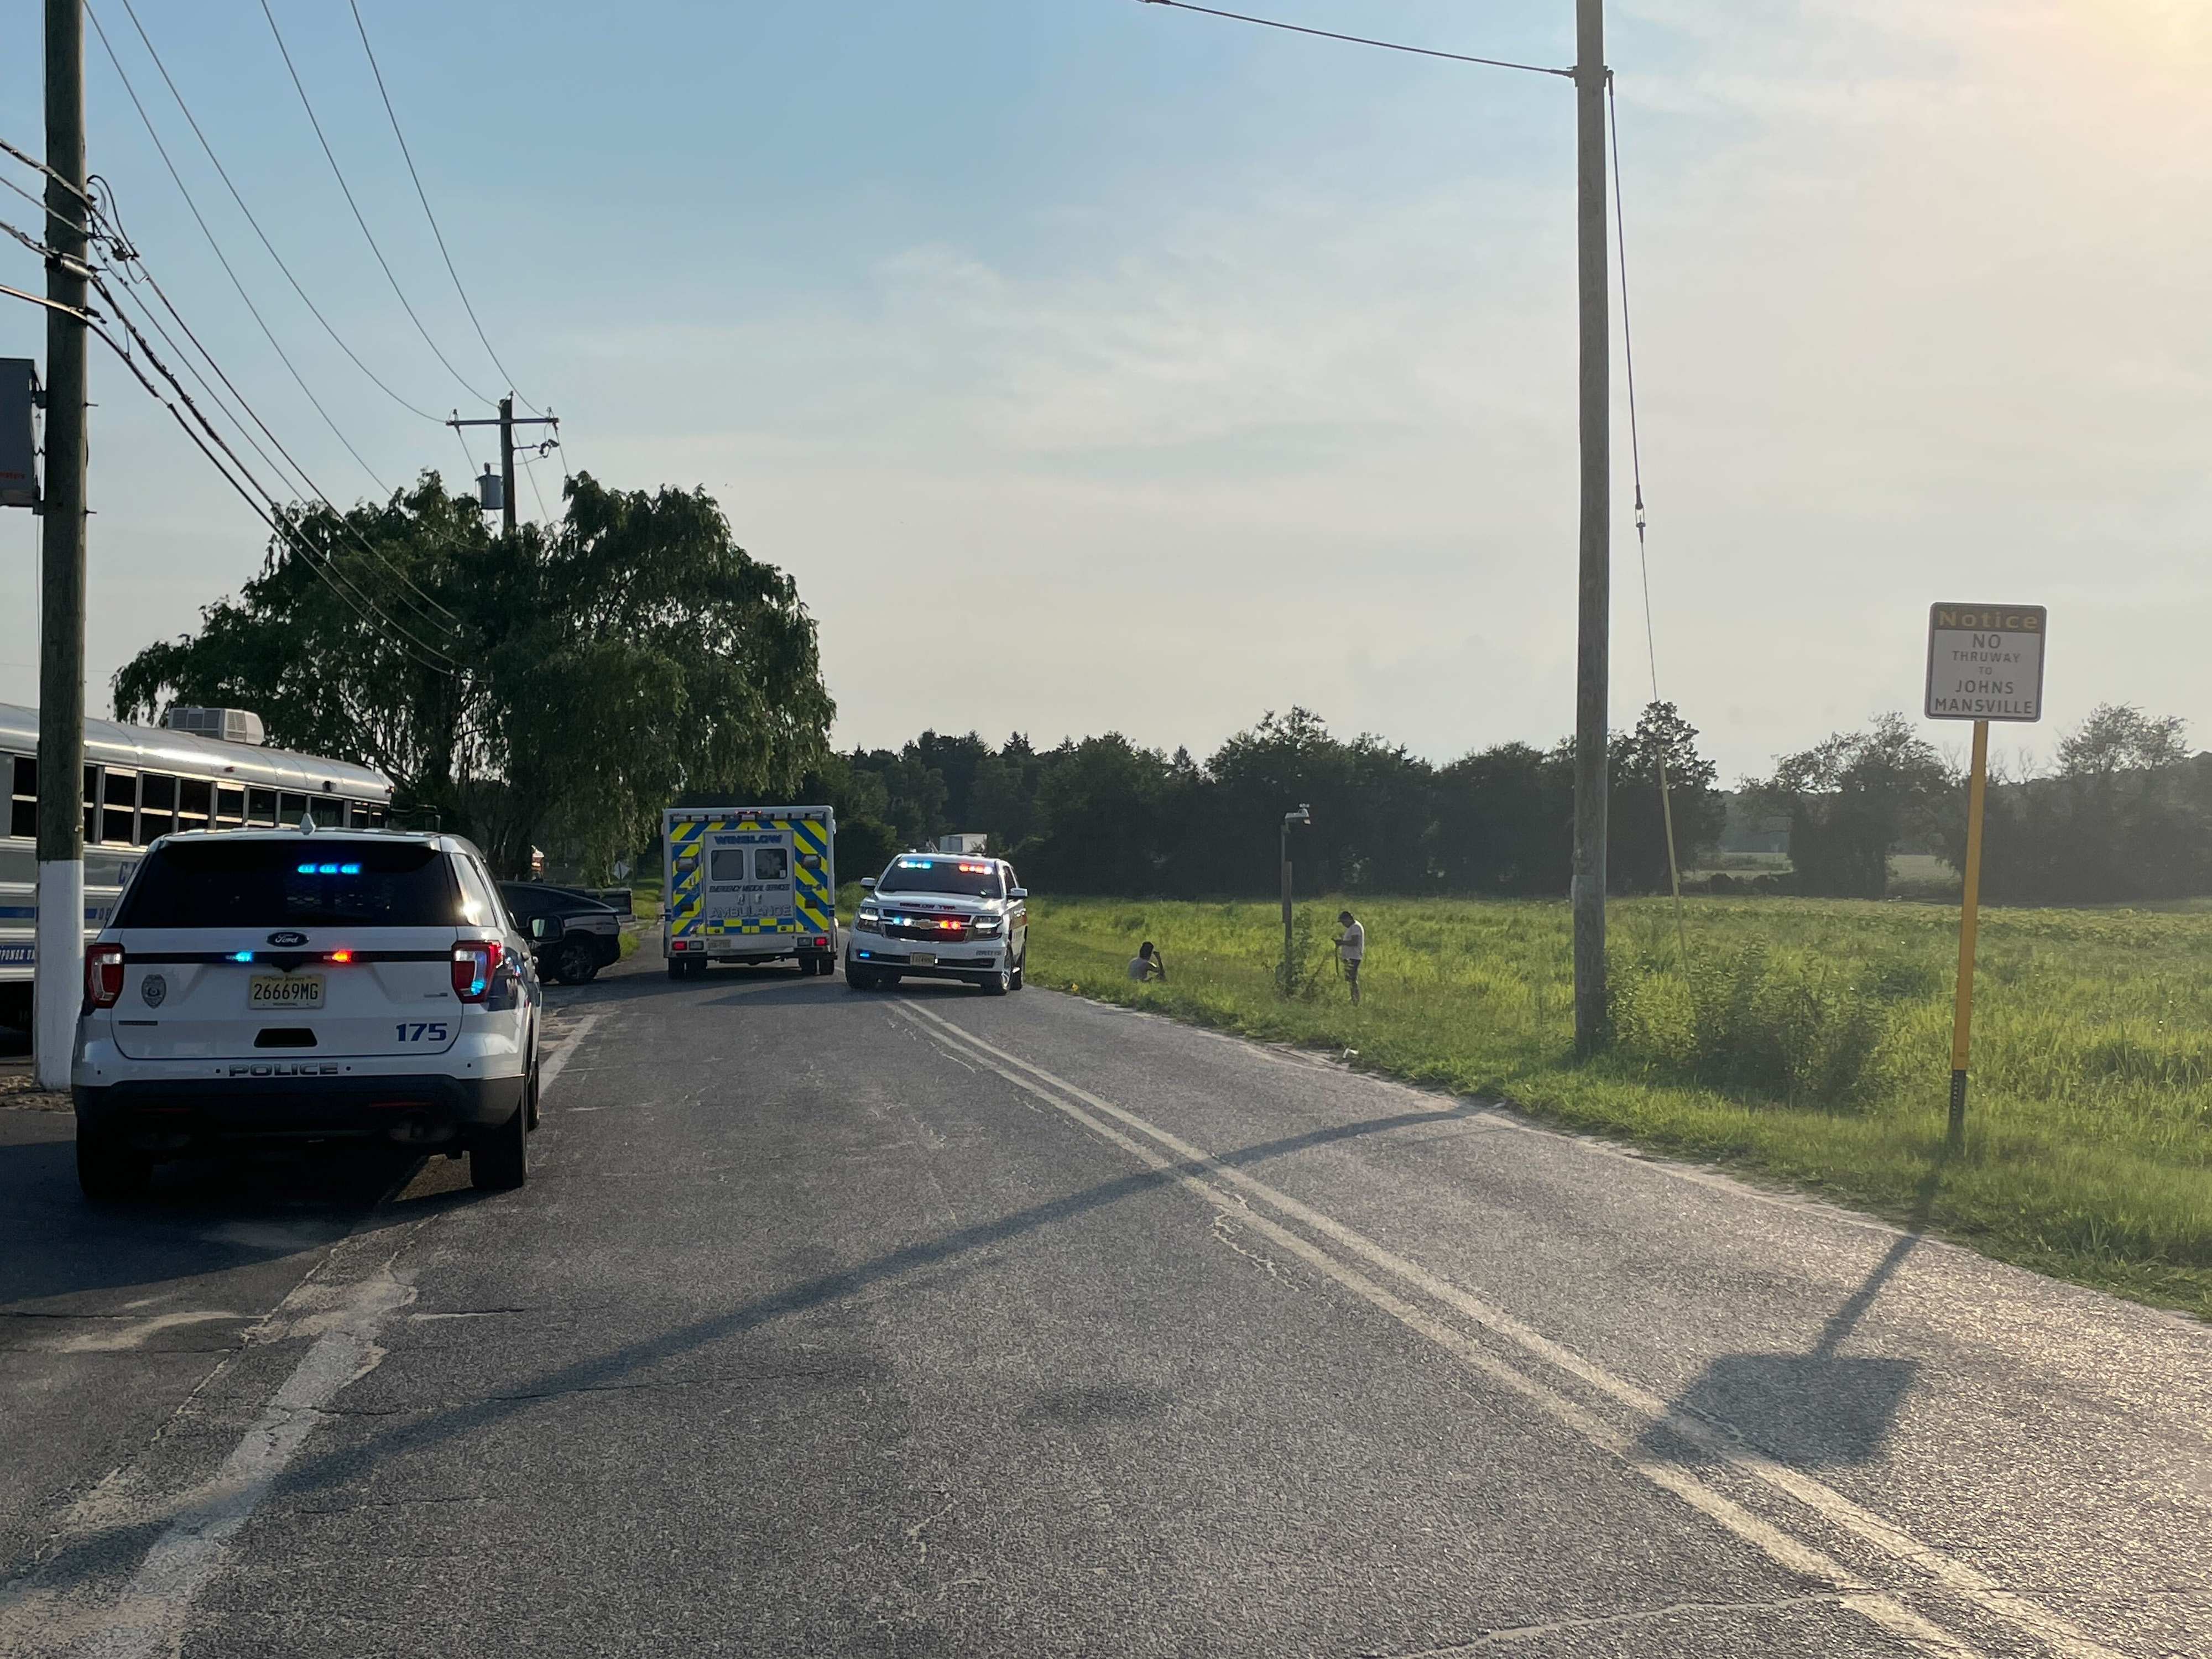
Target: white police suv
{"x": 306, "y": 985}
{"x": 940, "y": 915}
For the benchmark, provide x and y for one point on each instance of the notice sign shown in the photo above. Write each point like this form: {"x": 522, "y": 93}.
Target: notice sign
{"x": 1986, "y": 662}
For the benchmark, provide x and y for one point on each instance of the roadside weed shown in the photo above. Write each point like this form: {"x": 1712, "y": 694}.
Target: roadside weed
{"x": 1807, "y": 1042}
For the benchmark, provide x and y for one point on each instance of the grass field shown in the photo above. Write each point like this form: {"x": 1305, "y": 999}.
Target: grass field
{"x": 1807, "y": 1044}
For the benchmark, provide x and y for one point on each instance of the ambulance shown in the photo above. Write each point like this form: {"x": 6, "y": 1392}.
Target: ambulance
{"x": 748, "y": 884}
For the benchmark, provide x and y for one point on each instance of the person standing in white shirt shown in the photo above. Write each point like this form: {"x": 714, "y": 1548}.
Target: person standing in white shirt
{"x": 1351, "y": 950}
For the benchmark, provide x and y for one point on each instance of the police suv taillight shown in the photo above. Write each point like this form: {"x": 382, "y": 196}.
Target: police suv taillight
{"x": 103, "y": 975}
{"x": 474, "y": 964}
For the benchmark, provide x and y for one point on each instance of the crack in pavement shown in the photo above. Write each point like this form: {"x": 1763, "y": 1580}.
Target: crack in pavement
{"x": 1530, "y": 1632}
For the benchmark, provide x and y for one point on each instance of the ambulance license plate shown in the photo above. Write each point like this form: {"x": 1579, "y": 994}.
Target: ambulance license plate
{"x": 923, "y": 959}
{"x": 284, "y": 991}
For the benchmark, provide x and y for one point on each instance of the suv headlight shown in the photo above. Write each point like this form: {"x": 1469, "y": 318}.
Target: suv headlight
{"x": 985, "y": 926}
{"x": 868, "y": 922}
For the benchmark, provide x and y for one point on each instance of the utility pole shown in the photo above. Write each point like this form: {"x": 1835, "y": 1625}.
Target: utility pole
{"x": 58, "y": 976}
{"x": 1303, "y": 815}
{"x": 1593, "y": 646}
{"x": 507, "y": 461}
{"x": 505, "y": 422}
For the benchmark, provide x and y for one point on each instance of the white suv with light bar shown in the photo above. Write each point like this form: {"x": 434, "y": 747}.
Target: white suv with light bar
{"x": 941, "y": 916}
{"x": 306, "y": 985}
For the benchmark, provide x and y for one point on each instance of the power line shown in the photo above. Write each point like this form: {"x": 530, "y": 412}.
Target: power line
{"x": 223, "y": 173}
{"x": 326, "y": 568}
{"x": 338, "y": 173}
{"x": 1643, "y": 554}
{"x": 109, "y": 232}
{"x": 308, "y": 486}
{"x": 422, "y": 197}
{"x": 222, "y": 257}
{"x": 1363, "y": 40}
{"x": 266, "y": 509}
{"x": 33, "y": 162}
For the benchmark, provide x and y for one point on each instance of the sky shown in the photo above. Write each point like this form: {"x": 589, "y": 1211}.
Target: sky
{"x": 1099, "y": 366}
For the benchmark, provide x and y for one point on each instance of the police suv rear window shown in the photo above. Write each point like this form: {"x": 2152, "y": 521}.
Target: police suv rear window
{"x": 292, "y": 884}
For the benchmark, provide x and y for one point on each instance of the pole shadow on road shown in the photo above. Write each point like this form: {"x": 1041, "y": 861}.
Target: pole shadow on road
{"x": 1818, "y": 1409}
{"x": 336, "y": 1467}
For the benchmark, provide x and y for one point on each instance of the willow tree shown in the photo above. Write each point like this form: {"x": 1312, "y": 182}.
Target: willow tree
{"x": 550, "y": 688}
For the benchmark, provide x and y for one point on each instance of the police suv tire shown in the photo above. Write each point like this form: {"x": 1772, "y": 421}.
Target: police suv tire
{"x": 532, "y": 1115}
{"x": 575, "y": 961}
{"x": 499, "y": 1157}
{"x": 110, "y": 1172}
{"x": 1020, "y": 962}
{"x": 860, "y": 979}
{"x": 998, "y": 983}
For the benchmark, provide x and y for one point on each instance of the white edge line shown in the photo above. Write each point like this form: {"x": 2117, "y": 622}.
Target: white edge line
{"x": 552, "y": 1065}
{"x": 1894, "y": 1541}
{"x": 148, "y": 1617}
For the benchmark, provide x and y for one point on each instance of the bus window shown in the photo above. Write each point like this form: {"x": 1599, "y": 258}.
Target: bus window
{"x": 23, "y": 817}
{"x": 120, "y": 803}
{"x": 261, "y": 807}
{"x": 229, "y": 805}
{"x": 157, "y": 806}
{"x": 195, "y": 803}
{"x": 91, "y": 803}
{"x": 373, "y": 816}
{"x": 290, "y": 808}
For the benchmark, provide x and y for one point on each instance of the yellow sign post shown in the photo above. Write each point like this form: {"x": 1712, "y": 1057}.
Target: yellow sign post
{"x": 1985, "y": 663}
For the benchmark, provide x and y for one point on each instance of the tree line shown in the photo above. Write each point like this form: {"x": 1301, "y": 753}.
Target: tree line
{"x": 1104, "y": 815}
{"x": 555, "y": 689}
{"x": 2124, "y": 814}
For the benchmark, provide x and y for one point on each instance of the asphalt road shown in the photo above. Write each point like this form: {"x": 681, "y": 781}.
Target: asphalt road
{"x": 921, "y": 1322}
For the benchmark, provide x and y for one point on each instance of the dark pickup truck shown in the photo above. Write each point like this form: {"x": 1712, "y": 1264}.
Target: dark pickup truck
{"x": 591, "y": 930}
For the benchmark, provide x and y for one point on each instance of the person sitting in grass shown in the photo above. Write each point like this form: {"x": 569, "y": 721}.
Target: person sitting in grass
{"x": 1350, "y": 948}
{"x": 1147, "y": 965}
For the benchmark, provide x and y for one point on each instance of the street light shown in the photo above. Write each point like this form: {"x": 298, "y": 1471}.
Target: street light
{"x": 1303, "y": 815}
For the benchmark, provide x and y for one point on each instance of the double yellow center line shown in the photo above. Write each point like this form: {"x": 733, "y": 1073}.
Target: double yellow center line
{"x": 1235, "y": 1192}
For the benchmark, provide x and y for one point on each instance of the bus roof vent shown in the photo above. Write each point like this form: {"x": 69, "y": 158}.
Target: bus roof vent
{"x": 231, "y": 724}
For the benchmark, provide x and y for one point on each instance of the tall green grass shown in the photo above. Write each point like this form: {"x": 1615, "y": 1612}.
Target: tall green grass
{"x": 1805, "y": 1041}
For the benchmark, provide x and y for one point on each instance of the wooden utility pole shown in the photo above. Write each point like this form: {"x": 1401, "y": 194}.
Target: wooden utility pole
{"x": 505, "y": 422}
{"x": 506, "y": 460}
{"x": 1592, "y": 647}
{"x": 57, "y": 978}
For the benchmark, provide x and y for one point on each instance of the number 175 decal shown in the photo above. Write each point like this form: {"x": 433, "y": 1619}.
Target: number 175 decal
{"x": 422, "y": 1031}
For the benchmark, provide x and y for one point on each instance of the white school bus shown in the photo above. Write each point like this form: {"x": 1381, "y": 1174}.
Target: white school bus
{"x": 748, "y": 884}
{"x": 142, "y": 782}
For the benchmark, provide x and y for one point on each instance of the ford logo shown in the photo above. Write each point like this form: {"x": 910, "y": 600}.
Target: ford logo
{"x": 287, "y": 938}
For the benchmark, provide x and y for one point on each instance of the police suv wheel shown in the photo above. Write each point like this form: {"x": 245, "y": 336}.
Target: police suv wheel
{"x": 1020, "y": 962}
{"x": 499, "y": 1161}
{"x": 1000, "y": 983}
